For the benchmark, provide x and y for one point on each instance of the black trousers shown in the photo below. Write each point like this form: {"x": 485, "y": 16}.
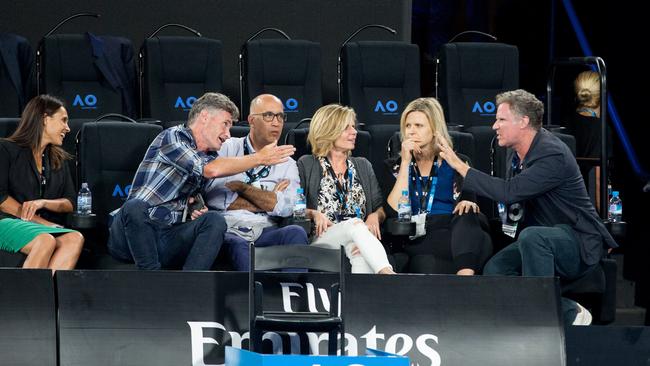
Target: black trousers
{"x": 454, "y": 241}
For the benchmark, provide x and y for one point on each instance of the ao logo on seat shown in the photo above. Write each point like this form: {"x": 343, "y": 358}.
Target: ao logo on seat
{"x": 119, "y": 192}
{"x": 388, "y": 108}
{"x": 184, "y": 104}
{"x": 89, "y": 101}
{"x": 291, "y": 105}
{"x": 485, "y": 109}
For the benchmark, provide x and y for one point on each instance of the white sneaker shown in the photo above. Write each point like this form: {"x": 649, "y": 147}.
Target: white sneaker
{"x": 583, "y": 317}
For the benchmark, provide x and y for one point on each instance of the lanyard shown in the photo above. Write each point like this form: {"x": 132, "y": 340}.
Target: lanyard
{"x": 251, "y": 176}
{"x": 41, "y": 177}
{"x": 341, "y": 190}
{"x": 425, "y": 188}
{"x": 516, "y": 165}
{"x": 512, "y": 214}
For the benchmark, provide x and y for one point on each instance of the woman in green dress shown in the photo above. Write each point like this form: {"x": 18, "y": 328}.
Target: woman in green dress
{"x": 36, "y": 188}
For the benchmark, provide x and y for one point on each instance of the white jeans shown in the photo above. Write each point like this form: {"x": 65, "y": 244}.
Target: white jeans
{"x": 351, "y": 233}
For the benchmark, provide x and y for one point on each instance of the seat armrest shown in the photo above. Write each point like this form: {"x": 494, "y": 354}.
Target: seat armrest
{"x": 305, "y": 224}
{"x": 79, "y": 221}
{"x": 618, "y": 229}
{"x": 398, "y": 228}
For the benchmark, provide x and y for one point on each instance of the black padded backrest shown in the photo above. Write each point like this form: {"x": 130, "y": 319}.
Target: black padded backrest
{"x": 238, "y": 130}
{"x": 471, "y": 75}
{"x": 177, "y": 71}
{"x": 569, "y": 140}
{"x": 93, "y": 77}
{"x": 288, "y": 69}
{"x": 16, "y": 61}
{"x": 483, "y": 138}
{"x": 8, "y": 126}
{"x": 170, "y": 123}
{"x": 298, "y": 138}
{"x": 379, "y": 79}
{"x": 109, "y": 155}
{"x": 381, "y": 134}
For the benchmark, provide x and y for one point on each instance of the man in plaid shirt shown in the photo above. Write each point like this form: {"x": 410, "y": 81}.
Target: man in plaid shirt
{"x": 163, "y": 223}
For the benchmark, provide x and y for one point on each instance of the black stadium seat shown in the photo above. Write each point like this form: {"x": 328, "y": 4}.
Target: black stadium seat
{"x": 175, "y": 72}
{"x": 95, "y": 75}
{"x": 109, "y": 155}
{"x": 8, "y": 126}
{"x": 471, "y": 75}
{"x": 288, "y": 69}
{"x": 379, "y": 78}
{"x": 16, "y": 61}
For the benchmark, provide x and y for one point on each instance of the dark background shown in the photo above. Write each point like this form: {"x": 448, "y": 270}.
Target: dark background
{"x": 540, "y": 29}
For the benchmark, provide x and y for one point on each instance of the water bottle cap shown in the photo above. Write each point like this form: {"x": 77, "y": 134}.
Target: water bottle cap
{"x": 615, "y": 193}
{"x": 300, "y": 190}
{"x": 84, "y": 185}
{"x": 405, "y": 192}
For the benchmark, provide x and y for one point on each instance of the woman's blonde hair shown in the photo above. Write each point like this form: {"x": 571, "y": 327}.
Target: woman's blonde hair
{"x": 327, "y": 124}
{"x": 433, "y": 111}
{"x": 587, "y": 88}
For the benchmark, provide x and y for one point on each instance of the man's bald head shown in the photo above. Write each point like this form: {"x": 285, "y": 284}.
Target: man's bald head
{"x": 266, "y": 120}
{"x": 261, "y": 101}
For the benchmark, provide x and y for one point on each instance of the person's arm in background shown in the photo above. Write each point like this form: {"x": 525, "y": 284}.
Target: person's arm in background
{"x": 531, "y": 182}
{"x": 252, "y": 197}
{"x": 270, "y": 154}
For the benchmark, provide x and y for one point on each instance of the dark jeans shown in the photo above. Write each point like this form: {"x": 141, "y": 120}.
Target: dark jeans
{"x": 239, "y": 252}
{"x": 542, "y": 251}
{"x": 192, "y": 245}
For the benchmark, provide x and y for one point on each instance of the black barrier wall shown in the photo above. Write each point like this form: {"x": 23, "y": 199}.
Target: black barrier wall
{"x": 173, "y": 318}
{"x": 27, "y": 318}
{"x": 326, "y": 21}
{"x": 608, "y": 345}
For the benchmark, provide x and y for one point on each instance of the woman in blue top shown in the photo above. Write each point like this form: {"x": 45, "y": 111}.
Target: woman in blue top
{"x": 452, "y": 219}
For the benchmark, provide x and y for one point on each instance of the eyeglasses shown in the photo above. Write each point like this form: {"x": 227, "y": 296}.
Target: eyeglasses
{"x": 268, "y": 116}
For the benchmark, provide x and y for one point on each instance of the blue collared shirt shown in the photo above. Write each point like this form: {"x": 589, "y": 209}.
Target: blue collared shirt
{"x": 219, "y": 197}
{"x": 171, "y": 171}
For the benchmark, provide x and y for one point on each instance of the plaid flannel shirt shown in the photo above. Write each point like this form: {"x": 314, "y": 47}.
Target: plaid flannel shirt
{"x": 171, "y": 172}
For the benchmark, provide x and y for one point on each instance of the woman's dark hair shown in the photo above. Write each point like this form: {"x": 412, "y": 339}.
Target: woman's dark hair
{"x": 30, "y": 128}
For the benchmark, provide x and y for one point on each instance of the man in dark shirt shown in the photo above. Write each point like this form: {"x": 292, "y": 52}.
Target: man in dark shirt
{"x": 563, "y": 236}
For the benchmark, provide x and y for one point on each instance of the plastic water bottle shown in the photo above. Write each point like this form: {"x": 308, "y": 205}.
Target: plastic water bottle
{"x": 615, "y": 213}
{"x": 404, "y": 207}
{"x": 300, "y": 206}
{"x": 84, "y": 200}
